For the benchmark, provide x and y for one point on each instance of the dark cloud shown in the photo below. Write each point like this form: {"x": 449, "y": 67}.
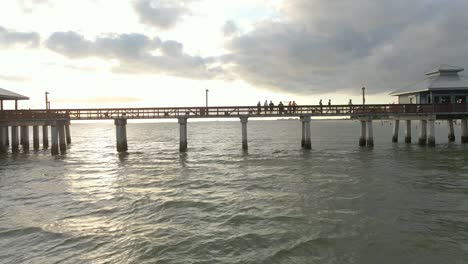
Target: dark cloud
{"x": 162, "y": 14}
{"x": 136, "y": 53}
{"x": 326, "y": 46}
{"x": 9, "y": 38}
{"x": 229, "y": 28}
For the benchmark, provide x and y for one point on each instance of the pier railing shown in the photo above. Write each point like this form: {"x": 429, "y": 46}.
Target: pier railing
{"x": 232, "y": 111}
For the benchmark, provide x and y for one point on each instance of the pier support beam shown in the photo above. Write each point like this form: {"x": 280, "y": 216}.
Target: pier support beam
{"x": 396, "y": 129}
{"x": 464, "y": 131}
{"x": 431, "y": 133}
{"x": 54, "y": 138}
{"x": 362, "y": 139}
{"x": 36, "y": 137}
{"x": 61, "y": 134}
{"x": 370, "y": 133}
{"x": 45, "y": 137}
{"x": 422, "y": 132}
{"x": 14, "y": 139}
{"x": 3, "y": 136}
{"x": 302, "y": 131}
{"x": 183, "y": 134}
{"x": 408, "y": 132}
{"x": 67, "y": 132}
{"x": 244, "y": 120}
{"x": 25, "y": 138}
{"x": 306, "y": 132}
{"x": 451, "y": 131}
{"x": 7, "y": 143}
{"x": 121, "y": 134}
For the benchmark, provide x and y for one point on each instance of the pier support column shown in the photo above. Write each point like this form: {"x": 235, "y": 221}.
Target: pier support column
{"x": 36, "y": 137}
{"x": 303, "y": 132}
{"x": 431, "y": 133}
{"x": 67, "y": 132}
{"x": 7, "y": 143}
{"x": 54, "y": 138}
{"x": 396, "y": 129}
{"x": 3, "y": 136}
{"x": 306, "y": 131}
{"x": 451, "y": 131}
{"x": 422, "y": 132}
{"x": 183, "y": 134}
{"x": 25, "y": 138}
{"x": 244, "y": 120}
{"x": 61, "y": 134}
{"x": 14, "y": 139}
{"x": 121, "y": 134}
{"x": 464, "y": 131}
{"x": 408, "y": 132}
{"x": 370, "y": 133}
{"x": 362, "y": 139}
{"x": 45, "y": 137}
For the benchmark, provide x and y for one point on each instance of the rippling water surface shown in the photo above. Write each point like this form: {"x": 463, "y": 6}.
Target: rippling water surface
{"x": 276, "y": 203}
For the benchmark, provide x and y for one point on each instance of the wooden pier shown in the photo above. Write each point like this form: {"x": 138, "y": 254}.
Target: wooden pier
{"x": 59, "y": 121}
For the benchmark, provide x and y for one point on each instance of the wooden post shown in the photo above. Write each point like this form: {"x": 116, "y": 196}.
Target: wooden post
{"x": 370, "y": 133}
{"x": 67, "y": 132}
{"x": 61, "y": 134}
{"x": 121, "y": 134}
{"x": 36, "y": 137}
{"x": 306, "y": 124}
{"x": 183, "y": 134}
{"x": 396, "y": 128}
{"x": 362, "y": 139}
{"x": 45, "y": 137}
{"x": 451, "y": 134}
{"x": 244, "y": 120}
{"x": 14, "y": 139}
{"x": 408, "y": 132}
{"x": 422, "y": 132}
{"x": 54, "y": 138}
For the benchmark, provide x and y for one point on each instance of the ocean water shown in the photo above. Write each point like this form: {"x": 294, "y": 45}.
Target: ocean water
{"x": 276, "y": 203}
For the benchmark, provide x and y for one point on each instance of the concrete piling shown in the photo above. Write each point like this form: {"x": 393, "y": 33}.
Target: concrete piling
{"x": 362, "y": 139}
{"x": 14, "y": 139}
{"x": 451, "y": 131}
{"x": 396, "y": 128}
{"x": 25, "y": 138}
{"x": 45, "y": 137}
{"x": 464, "y": 131}
{"x": 67, "y": 132}
{"x": 7, "y": 143}
{"x": 61, "y": 134}
{"x": 244, "y": 120}
{"x": 422, "y": 132}
{"x": 36, "y": 137}
{"x": 183, "y": 134}
{"x": 431, "y": 133}
{"x": 408, "y": 132}
{"x": 3, "y": 136}
{"x": 121, "y": 134}
{"x": 370, "y": 133}
{"x": 306, "y": 130}
{"x": 54, "y": 138}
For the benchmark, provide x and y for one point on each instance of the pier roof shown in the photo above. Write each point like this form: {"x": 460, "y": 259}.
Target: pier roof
{"x": 9, "y": 95}
{"x": 444, "y": 77}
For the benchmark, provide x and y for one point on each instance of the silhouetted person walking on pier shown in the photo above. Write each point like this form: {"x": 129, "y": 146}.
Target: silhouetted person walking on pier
{"x": 259, "y": 107}
{"x": 321, "y": 105}
{"x": 272, "y": 105}
{"x": 265, "y": 106}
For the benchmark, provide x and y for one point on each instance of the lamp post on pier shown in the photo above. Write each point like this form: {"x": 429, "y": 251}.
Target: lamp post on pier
{"x": 363, "y": 95}
{"x": 206, "y": 92}
{"x": 47, "y": 103}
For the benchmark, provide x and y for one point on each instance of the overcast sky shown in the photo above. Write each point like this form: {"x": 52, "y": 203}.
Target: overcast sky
{"x": 93, "y": 53}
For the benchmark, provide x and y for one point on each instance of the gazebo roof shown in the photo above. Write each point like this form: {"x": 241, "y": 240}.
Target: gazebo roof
{"x": 444, "y": 77}
{"x": 9, "y": 95}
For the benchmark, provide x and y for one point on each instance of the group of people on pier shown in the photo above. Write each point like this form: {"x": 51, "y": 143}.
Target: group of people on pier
{"x": 282, "y": 109}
